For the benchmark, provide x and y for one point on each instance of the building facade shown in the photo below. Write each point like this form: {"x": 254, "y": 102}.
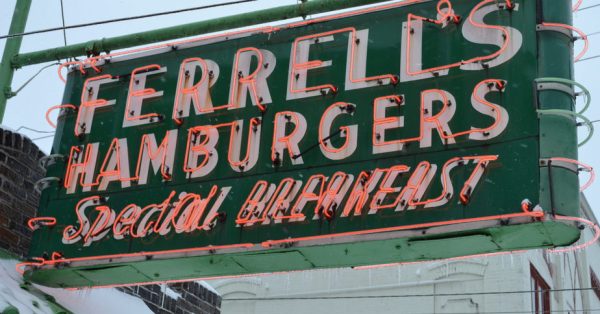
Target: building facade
{"x": 536, "y": 281}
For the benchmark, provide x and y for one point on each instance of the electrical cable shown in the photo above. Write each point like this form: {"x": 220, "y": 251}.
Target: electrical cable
{"x": 34, "y": 130}
{"x": 406, "y": 295}
{"x": 593, "y": 121}
{"x": 588, "y": 58}
{"x": 594, "y": 33}
{"x": 62, "y": 13}
{"x": 33, "y": 77}
{"x": 589, "y": 7}
{"x": 42, "y": 137}
{"x": 126, "y": 19}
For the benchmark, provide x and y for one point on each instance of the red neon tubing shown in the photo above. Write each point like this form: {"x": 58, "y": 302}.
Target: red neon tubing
{"x": 586, "y": 44}
{"x": 54, "y": 108}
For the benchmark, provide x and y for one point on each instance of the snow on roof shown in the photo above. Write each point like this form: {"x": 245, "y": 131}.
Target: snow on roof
{"x": 208, "y": 286}
{"x": 12, "y": 295}
{"x": 91, "y": 301}
{"x": 97, "y": 301}
{"x": 170, "y": 292}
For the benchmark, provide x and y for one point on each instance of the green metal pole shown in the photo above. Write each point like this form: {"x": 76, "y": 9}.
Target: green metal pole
{"x": 192, "y": 29}
{"x": 17, "y": 25}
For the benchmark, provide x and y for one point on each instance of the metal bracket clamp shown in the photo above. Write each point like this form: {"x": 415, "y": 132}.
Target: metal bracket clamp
{"x": 571, "y": 114}
{"x": 566, "y": 86}
{"x": 50, "y": 160}
{"x": 44, "y": 183}
{"x": 567, "y": 30}
{"x": 553, "y": 28}
{"x": 572, "y": 165}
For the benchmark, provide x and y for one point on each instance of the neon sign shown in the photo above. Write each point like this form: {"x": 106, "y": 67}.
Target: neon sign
{"x": 331, "y": 133}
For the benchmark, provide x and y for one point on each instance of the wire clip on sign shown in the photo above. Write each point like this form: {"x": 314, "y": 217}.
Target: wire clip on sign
{"x": 403, "y": 132}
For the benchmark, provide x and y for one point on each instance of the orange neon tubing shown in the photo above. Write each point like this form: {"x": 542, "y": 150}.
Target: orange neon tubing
{"x": 56, "y": 255}
{"x": 445, "y": 183}
{"x": 103, "y": 211}
{"x": 331, "y": 193}
{"x": 66, "y": 231}
{"x": 199, "y": 209}
{"x": 39, "y": 262}
{"x": 285, "y": 139}
{"x": 495, "y": 109}
{"x": 114, "y": 148}
{"x": 310, "y": 197}
{"x": 278, "y": 200}
{"x": 580, "y": 246}
{"x": 361, "y": 193}
{"x": 415, "y": 187}
{"x": 465, "y": 193}
{"x": 438, "y": 22}
{"x": 62, "y": 65}
{"x": 315, "y": 63}
{"x": 69, "y": 106}
{"x": 253, "y": 122}
{"x": 43, "y": 262}
{"x": 164, "y": 146}
{"x": 40, "y": 221}
{"x": 191, "y": 90}
{"x": 199, "y": 147}
{"x": 585, "y": 167}
{"x": 94, "y": 103}
{"x": 435, "y": 118}
{"x": 447, "y": 16}
{"x": 195, "y": 148}
{"x": 586, "y": 44}
{"x": 252, "y": 204}
{"x": 345, "y": 129}
{"x": 577, "y": 5}
{"x": 385, "y": 191}
{"x": 250, "y": 79}
{"x": 71, "y": 165}
{"x": 267, "y": 244}
{"x": 270, "y": 243}
{"x": 378, "y": 121}
{"x": 127, "y": 221}
{"x": 139, "y": 93}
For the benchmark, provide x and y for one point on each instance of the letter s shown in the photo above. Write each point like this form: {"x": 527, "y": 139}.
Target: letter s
{"x": 476, "y": 31}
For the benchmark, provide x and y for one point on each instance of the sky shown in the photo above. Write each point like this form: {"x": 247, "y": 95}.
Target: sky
{"x": 28, "y": 108}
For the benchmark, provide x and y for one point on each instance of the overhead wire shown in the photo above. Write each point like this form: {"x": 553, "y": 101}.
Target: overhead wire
{"x": 33, "y": 130}
{"x": 518, "y": 312}
{"x": 589, "y": 7}
{"x": 588, "y": 58}
{"x": 62, "y": 13}
{"x": 136, "y": 17}
{"x": 33, "y": 77}
{"x": 42, "y": 137}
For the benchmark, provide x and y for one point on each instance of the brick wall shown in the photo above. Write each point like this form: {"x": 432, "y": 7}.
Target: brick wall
{"x": 19, "y": 171}
{"x": 193, "y": 298}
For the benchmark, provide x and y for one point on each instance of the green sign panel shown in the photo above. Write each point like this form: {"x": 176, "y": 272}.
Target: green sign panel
{"x": 395, "y": 133}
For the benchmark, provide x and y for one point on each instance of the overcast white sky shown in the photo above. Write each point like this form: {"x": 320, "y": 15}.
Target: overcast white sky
{"x": 29, "y": 107}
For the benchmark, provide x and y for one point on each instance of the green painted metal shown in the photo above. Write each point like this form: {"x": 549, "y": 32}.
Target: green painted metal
{"x": 558, "y": 137}
{"x": 11, "y": 48}
{"x": 303, "y": 10}
{"x": 507, "y": 238}
{"x": 514, "y": 177}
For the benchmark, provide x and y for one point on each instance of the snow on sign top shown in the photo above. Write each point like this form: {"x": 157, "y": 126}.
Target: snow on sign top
{"x": 394, "y": 133}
